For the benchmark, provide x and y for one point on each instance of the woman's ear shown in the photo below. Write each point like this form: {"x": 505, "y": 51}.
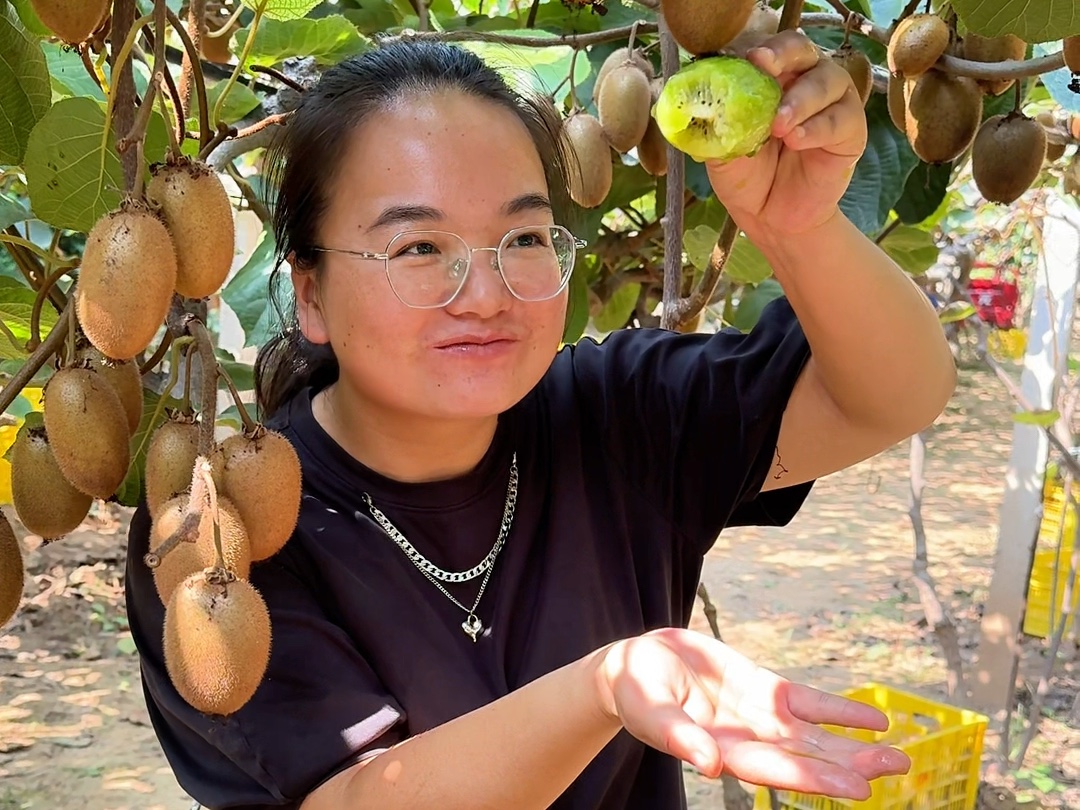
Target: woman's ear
{"x": 308, "y": 310}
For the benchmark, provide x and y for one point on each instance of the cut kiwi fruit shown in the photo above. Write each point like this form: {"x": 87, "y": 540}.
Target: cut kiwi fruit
{"x": 623, "y": 104}
{"x": 718, "y": 108}
{"x": 916, "y": 44}
{"x": 590, "y": 167}
{"x": 943, "y": 114}
{"x": 1007, "y": 156}
{"x": 994, "y": 49}
{"x": 858, "y": 67}
{"x": 704, "y": 27}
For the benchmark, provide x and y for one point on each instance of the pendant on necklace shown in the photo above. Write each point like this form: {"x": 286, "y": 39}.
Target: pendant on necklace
{"x": 472, "y": 626}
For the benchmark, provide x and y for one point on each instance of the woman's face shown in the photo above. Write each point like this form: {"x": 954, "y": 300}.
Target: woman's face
{"x": 446, "y": 162}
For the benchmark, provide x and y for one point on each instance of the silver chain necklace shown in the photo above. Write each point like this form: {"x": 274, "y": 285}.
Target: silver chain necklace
{"x": 472, "y": 624}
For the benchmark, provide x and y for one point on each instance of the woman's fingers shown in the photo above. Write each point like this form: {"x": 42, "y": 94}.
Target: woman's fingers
{"x": 785, "y": 55}
{"x": 816, "y": 706}
{"x": 766, "y": 764}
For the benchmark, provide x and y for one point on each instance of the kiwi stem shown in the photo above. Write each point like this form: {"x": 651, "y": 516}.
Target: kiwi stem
{"x": 192, "y": 66}
{"x": 158, "y": 355}
{"x": 706, "y": 286}
{"x": 530, "y": 22}
{"x": 38, "y": 357}
{"x": 277, "y": 74}
{"x": 39, "y": 301}
{"x": 674, "y": 203}
{"x": 185, "y": 403}
{"x": 791, "y": 16}
{"x": 249, "y": 424}
{"x": 1018, "y": 99}
{"x": 176, "y": 130}
{"x": 208, "y": 399}
{"x": 633, "y": 36}
{"x": 85, "y": 54}
{"x": 203, "y": 466}
{"x": 269, "y": 121}
{"x": 574, "y": 106}
{"x": 72, "y": 328}
{"x": 224, "y": 132}
{"x": 219, "y": 105}
{"x": 186, "y": 532}
{"x": 118, "y": 64}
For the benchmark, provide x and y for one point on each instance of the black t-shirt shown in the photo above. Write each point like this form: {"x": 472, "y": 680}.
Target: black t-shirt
{"x": 634, "y": 453}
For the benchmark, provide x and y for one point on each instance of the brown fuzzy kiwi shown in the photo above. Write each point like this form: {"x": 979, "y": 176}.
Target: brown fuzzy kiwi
{"x": 652, "y": 151}
{"x": 46, "y": 503}
{"x": 126, "y": 281}
{"x": 943, "y": 114}
{"x": 705, "y": 26}
{"x": 616, "y": 59}
{"x": 858, "y": 66}
{"x": 916, "y": 44}
{"x": 199, "y": 216}
{"x": 188, "y": 558}
{"x": 1007, "y": 156}
{"x": 1056, "y": 139}
{"x": 764, "y": 22}
{"x": 124, "y": 377}
{"x": 88, "y": 430}
{"x": 897, "y": 99}
{"x": 590, "y": 159}
{"x": 170, "y": 460}
{"x": 993, "y": 49}
{"x": 260, "y": 473}
{"x": 1070, "y": 49}
{"x": 623, "y": 106}
{"x": 217, "y": 642}
{"x": 216, "y": 48}
{"x": 12, "y": 571}
{"x": 71, "y": 20}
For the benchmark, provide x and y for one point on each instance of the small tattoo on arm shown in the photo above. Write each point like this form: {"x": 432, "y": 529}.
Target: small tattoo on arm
{"x": 781, "y": 470}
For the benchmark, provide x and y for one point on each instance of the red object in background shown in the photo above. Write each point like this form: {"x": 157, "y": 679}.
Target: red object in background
{"x": 995, "y": 298}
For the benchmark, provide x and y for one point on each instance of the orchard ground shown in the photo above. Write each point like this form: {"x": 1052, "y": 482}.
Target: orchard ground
{"x": 827, "y": 599}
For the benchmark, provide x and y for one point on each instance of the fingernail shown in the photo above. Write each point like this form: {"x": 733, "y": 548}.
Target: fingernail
{"x": 765, "y": 57}
{"x": 783, "y": 115}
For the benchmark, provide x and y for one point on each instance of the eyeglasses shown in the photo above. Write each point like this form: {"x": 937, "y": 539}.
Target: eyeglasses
{"x": 427, "y": 269}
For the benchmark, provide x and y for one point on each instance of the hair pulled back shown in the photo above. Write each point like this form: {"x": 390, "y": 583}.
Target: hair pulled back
{"x": 303, "y": 160}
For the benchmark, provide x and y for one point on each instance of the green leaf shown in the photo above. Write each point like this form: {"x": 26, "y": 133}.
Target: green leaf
{"x": 1032, "y": 21}
{"x": 911, "y": 248}
{"x": 955, "y": 312}
{"x": 282, "y": 9}
{"x": 1037, "y": 418}
{"x": 373, "y": 16}
{"x": 240, "y": 101}
{"x": 12, "y": 210}
{"x": 72, "y": 180}
{"x": 698, "y": 242}
{"x": 881, "y": 173}
{"x": 327, "y": 39}
{"x": 577, "y": 307}
{"x": 24, "y": 87}
{"x": 247, "y": 292}
{"x": 926, "y": 187}
{"x": 753, "y": 301}
{"x": 242, "y": 374}
{"x": 617, "y": 310}
{"x": 131, "y": 489}
{"x": 69, "y": 76}
{"x": 747, "y": 265}
{"x": 30, "y": 19}
{"x": 16, "y": 304}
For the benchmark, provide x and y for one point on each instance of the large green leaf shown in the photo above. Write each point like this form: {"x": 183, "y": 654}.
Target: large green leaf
{"x": 617, "y": 310}
{"x": 247, "y": 293}
{"x": 371, "y": 16}
{"x": 24, "y": 86}
{"x": 577, "y": 307}
{"x": 911, "y": 248}
{"x": 753, "y": 301}
{"x": 926, "y": 187}
{"x": 29, "y": 18}
{"x": 12, "y": 210}
{"x": 698, "y": 243}
{"x": 131, "y": 489}
{"x": 68, "y": 74}
{"x": 1031, "y": 20}
{"x": 326, "y": 39}
{"x": 16, "y": 304}
{"x": 240, "y": 101}
{"x": 72, "y": 179}
{"x": 881, "y": 172}
{"x": 282, "y": 9}
{"x": 747, "y": 265}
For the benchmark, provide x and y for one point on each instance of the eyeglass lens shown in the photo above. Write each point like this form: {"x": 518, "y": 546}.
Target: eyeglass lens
{"x": 427, "y": 268}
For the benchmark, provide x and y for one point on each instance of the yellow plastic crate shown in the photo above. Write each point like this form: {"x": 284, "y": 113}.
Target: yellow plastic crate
{"x": 1042, "y": 612}
{"x": 945, "y": 745}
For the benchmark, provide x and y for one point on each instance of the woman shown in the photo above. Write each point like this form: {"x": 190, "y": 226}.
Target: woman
{"x": 484, "y": 601}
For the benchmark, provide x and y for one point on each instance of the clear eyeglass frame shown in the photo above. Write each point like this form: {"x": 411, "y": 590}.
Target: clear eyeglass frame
{"x": 463, "y": 274}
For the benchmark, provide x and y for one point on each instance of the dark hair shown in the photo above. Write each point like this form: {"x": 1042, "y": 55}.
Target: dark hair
{"x": 303, "y": 160}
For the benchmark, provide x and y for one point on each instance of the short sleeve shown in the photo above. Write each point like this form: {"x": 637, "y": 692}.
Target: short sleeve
{"x": 319, "y": 709}
{"x": 692, "y": 421}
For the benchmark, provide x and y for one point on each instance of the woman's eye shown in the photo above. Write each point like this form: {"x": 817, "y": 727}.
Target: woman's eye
{"x": 419, "y": 249}
{"x": 528, "y": 240}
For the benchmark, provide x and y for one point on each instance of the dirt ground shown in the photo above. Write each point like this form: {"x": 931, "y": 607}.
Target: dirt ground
{"x": 827, "y": 600}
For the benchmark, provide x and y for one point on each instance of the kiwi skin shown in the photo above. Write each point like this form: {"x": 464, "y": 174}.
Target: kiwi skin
{"x": 1007, "y": 156}
{"x": 897, "y": 98}
{"x": 916, "y": 44}
{"x": 623, "y": 106}
{"x": 590, "y": 169}
{"x": 858, "y": 66}
{"x": 46, "y": 503}
{"x": 944, "y": 113}
{"x": 652, "y": 151}
{"x": 705, "y": 26}
{"x": 71, "y": 20}
{"x": 994, "y": 49}
{"x": 616, "y": 59}
{"x": 12, "y": 571}
{"x": 170, "y": 460}
{"x": 1070, "y": 49}
{"x": 1055, "y": 137}
{"x": 124, "y": 377}
{"x": 87, "y": 430}
{"x": 126, "y": 281}
{"x": 217, "y": 641}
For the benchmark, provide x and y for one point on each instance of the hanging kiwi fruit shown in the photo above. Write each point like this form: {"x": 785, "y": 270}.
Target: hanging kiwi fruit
{"x": 896, "y": 95}
{"x": 1007, "y": 156}
{"x": 652, "y": 151}
{"x": 617, "y": 58}
{"x": 1070, "y": 49}
{"x": 916, "y": 44}
{"x": 994, "y": 49}
{"x": 170, "y": 459}
{"x": 73, "y": 21}
{"x": 12, "y": 571}
{"x": 764, "y": 22}
{"x": 1056, "y": 139}
{"x": 590, "y": 169}
{"x": 858, "y": 66}
{"x": 705, "y": 26}
{"x": 622, "y": 103}
{"x": 943, "y": 113}
{"x": 45, "y": 501}
{"x": 122, "y": 375}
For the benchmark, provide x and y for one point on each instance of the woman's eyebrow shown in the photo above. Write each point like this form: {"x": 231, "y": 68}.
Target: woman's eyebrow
{"x": 527, "y": 202}
{"x": 397, "y": 214}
